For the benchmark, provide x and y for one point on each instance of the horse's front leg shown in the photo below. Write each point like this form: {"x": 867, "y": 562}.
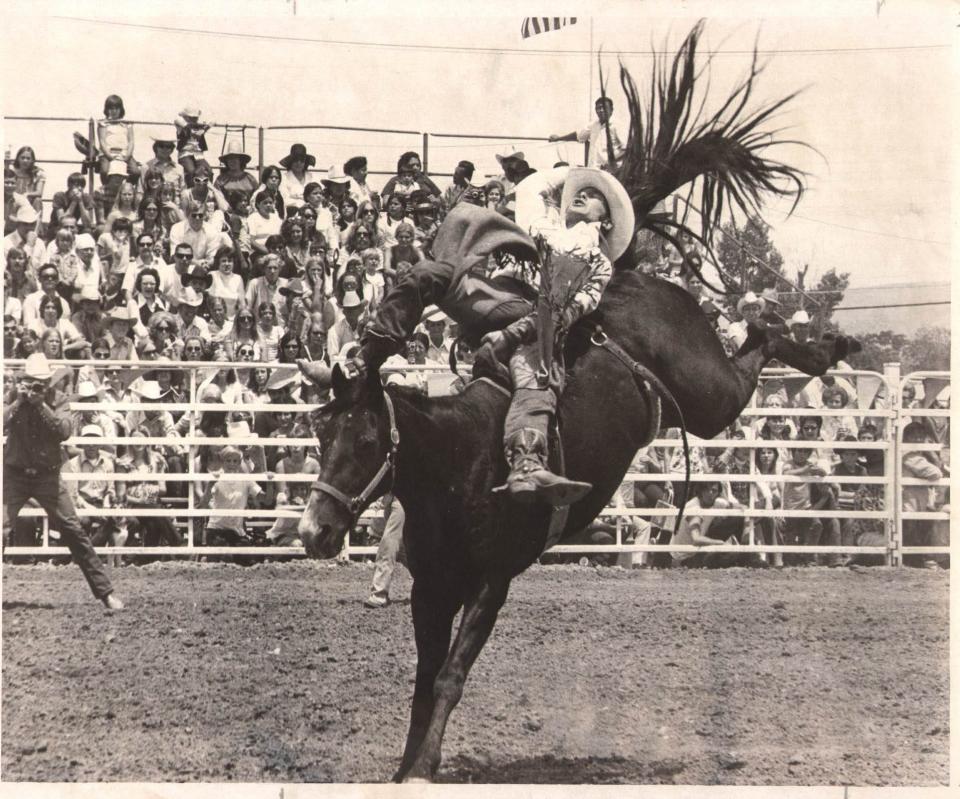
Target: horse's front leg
{"x": 433, "y": 609}
{"x": 479, "y": 616}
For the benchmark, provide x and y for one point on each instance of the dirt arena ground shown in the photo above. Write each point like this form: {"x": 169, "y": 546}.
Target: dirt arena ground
{"x": 277, "y": 673}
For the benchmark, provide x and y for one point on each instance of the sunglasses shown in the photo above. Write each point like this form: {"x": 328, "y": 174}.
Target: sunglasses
{"x": 49, "y": 277}
{"x": 146, "y": 243}
{"x": 244, "y": 353}
{"x": 163, "y": 328}
{"x": 198, "y": 181}
{"x": 196, "y": 216}
{"x": 183, "y": 255}
{"x": 101, "y": 355}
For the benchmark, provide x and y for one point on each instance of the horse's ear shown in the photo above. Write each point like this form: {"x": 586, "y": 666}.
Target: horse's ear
{"x": 341, "y": 385}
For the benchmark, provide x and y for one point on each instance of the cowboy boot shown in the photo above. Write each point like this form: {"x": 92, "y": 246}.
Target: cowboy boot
{"x": 529, "y": 477}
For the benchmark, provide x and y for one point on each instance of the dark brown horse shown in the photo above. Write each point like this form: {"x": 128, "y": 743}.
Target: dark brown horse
{"x": 442, "y": 457}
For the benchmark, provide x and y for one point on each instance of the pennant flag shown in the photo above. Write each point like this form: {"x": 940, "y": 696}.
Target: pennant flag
{"x": 533, "y": 25}
{"x": 868, "y": 390}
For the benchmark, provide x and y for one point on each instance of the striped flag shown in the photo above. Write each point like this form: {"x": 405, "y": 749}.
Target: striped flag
{"x": 534, "y": 25}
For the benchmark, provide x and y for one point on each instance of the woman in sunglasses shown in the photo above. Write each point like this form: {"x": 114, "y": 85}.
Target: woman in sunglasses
{"x": 202, "y": 187}
{"x": 290, "y": 348}
{"x": 51, "y": 319}
{"x": 241, "y": 344}
{"x": 162, "y": 328}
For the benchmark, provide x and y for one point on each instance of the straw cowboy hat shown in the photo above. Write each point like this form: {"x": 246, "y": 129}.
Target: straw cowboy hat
{"x": 352, "y": 300}
{"x": 513, "y": 155}
{"x": 120, "y": 314}
{"x": 235, "y": 150}
{"x": 191, "y": 298}
{"x": 434, "y": 314}
{"x": 799, "y": 318}
{"x": 150, "y": 390}
{"x": 282, "y": 378}
{"x": 770, "y": 296}
{"x": 335, "y": 177}
{"x": 37, "y": 367}
{"x": 297, "y": 151}
{"x": 618, "y": 203}
{"x": 295, "y": 288}
{"x": 749, "y": 299}
{"x": 26, "y": 215}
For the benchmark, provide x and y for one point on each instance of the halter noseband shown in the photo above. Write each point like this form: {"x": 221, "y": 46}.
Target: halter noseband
{"x": 355, "y": 504}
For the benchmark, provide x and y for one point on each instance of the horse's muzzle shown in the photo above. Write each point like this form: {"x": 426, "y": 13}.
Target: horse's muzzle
{"x": 319, "y": 541}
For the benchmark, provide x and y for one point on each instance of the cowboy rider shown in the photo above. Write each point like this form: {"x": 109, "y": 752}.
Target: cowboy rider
{"x": 591, "y": 226}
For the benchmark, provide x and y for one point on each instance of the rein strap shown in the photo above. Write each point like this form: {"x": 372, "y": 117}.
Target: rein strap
{"x": 355, "y": 504}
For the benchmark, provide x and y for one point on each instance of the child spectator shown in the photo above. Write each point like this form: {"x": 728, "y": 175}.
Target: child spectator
{"x": 29, "y": 178}
{"x": 74, "y": 202}
{"x": 191, "y": 141}
{"x": 115, "y": 139}
{"x": 226, "y": 494}
{"x": 372, "y": 281}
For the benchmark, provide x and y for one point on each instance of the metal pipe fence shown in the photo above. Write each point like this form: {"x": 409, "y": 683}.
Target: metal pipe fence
{"x": 886, "y": 408}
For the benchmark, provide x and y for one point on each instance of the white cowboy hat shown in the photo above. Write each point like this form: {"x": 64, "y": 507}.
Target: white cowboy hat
{"x": 618, "y": 203}
{"x": 86, "y": 389}
{"x": 91, "y": 430}
{"x": 513, "y": 155}
{"x": 335, "y": 175}
{"x": 799, "y": 318}
{"x": 433, "y": 314}
{"x": 190, "y": 111}
{"x": 234, "y": 148}
{"x": 352, "y": 300}
{"x": 281, "y": 378}
{"x": 749, "y": 299}
{"x": 770, "y": 296}
{"x": 238, "y": 429}
{"x": 189, "y": 297}
{"x": 26, "y": 215}
{"x": 120, "y": 314}
{"x": 149, "y": 390}
{"x": 37, "y": 367}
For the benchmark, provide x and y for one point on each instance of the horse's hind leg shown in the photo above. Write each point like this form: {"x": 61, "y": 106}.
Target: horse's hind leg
{"x": 433, "y": 609}
{"x": 479, "y": 616}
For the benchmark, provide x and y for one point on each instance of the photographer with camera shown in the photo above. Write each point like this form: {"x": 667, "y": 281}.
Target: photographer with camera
{"x": 31, "y": 470}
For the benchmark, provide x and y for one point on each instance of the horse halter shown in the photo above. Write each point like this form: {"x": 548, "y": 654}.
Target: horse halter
{"x": 355, "y": 504}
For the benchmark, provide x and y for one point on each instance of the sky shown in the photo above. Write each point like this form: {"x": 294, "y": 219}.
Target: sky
{"x": 875, "y": 108}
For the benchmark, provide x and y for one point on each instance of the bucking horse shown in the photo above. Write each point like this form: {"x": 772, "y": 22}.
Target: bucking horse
{"x": 442, "y": 456}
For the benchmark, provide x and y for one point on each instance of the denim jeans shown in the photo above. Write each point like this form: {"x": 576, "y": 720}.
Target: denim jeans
{"x": 51, "y": 493}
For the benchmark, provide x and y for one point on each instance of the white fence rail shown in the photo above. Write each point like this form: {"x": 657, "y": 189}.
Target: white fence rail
{"x": 882, "y": 404}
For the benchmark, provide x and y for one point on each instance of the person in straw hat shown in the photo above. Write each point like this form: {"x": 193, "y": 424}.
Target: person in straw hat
{"x": 32, "y": 461}
{"x": 585, "y": 219}
{"x": 234, "y": 175}
{"x": 749, "y": 306}
{"x": 347, "y": 328}
{"x": 163, "y": 163}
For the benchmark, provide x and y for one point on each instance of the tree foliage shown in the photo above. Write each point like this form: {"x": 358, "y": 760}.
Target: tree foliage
{"x": 926, "y": 350}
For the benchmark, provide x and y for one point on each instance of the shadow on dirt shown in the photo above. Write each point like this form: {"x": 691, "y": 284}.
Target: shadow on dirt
{"x": 548, "y": 769}
{"x": 17, "y": 605}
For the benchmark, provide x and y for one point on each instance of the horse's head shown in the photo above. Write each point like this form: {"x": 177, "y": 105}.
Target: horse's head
{"x": 358, "y": 441}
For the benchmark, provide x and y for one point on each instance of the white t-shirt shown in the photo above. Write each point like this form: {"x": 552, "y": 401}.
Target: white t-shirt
{"x": 231, "y": 495}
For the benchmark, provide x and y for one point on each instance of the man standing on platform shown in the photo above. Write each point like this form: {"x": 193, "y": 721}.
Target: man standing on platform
{"x": 31, "y": 470}
{"x": 597, "y": 135}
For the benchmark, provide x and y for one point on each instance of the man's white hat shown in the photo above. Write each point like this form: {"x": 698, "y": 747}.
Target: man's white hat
{"x": 37, "y": 367}
{"x": 801, "y": 317}
{"x": 85, "y": 242}
{"x": 433, "y": 314}
{"x": 150, "y": 390}
{"x": 335, "y": 175}
{"x": 86, "y": 389}
{"x": 91, "y": 430}
{"x": 26, "y": 215}
{"x": 749, "y": 299}
{"x": 618, "y": 203}
{"x": 190, "y": 297}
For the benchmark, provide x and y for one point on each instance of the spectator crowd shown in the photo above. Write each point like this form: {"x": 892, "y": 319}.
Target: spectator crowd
{"x": 178, "y": 266}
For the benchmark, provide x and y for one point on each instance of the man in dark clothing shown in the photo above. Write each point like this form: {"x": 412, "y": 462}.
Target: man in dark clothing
{"x": 31, "y": 470}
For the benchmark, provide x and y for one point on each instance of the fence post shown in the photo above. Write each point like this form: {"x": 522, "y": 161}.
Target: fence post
{"x": 426, "y": 148}
{"x": 891, "y": 468}
{"x": 260, "y": 151}
{"x": 191, "y": 543}
{"x": 91, "y": 152}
